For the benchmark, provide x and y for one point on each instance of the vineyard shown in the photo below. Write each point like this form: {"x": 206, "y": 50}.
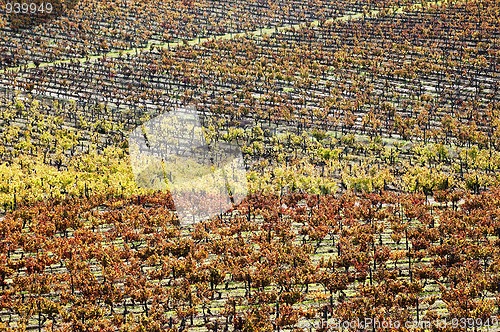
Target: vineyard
{"x": 370, "y": 137}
